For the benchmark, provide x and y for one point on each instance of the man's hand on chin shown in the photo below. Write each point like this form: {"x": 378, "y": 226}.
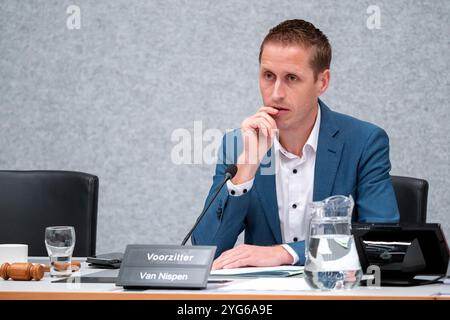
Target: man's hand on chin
{"x": 246, "y": 255}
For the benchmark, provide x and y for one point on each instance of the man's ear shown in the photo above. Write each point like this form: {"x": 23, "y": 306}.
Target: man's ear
{"x": 323, "y": 80}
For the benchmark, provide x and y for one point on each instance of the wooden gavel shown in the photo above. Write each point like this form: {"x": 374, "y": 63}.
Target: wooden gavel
{"x": 25, "y": 271}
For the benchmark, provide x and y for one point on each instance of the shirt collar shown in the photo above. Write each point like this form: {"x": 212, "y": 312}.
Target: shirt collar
{"x": 311, "y": 142}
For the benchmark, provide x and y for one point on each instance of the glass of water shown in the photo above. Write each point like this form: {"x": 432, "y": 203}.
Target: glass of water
{"x": 60, "y": 241}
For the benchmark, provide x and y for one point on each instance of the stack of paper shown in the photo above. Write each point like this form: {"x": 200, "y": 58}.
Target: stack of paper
{"x": 281, "y": 271}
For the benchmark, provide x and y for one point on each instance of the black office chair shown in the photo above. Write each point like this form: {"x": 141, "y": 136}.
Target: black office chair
{"x": 32, "y": 200}
{"x": 412, "y": 195}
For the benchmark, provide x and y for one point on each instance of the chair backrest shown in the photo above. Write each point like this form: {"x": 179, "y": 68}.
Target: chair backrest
{"x": 30, "y": 201}
{"x": 412, "y": 195}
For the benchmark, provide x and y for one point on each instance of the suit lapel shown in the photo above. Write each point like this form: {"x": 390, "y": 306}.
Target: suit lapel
{"x": 328, "y": 156}
{"x": 265, "y": 187}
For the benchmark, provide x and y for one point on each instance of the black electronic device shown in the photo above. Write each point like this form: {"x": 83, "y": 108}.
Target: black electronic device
{"x": 110, "y": 260}
{"x": 402, "y": 252}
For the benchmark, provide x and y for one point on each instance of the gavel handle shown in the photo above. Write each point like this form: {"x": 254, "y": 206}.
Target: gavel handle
{"x": 74, "y": 265}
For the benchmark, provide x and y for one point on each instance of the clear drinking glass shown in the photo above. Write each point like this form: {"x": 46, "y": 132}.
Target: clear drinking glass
{"x": 60, "y": 241}
{"x": 332, "y": 261}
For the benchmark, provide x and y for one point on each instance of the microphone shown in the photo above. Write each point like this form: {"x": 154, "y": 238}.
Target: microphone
{"x": 229, "y": 174}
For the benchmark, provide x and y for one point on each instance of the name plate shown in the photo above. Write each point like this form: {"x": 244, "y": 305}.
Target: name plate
{"x": 166, "y": 266}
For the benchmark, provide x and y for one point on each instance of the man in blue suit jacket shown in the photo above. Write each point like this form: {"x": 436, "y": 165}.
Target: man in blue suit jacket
{"x": 335, "y": 153}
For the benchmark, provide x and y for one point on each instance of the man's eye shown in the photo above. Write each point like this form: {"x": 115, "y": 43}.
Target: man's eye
{"x": 268, "y": 76}
{"x": 292, "y": 77}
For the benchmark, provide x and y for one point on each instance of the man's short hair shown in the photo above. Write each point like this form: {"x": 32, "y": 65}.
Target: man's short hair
{"x": 305, "y": 34}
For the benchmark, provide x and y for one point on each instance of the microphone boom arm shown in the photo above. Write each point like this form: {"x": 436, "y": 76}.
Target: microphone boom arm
{"x": 228, "y": 175}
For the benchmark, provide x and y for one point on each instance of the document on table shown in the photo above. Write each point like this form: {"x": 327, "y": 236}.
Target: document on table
{"x": 280, "y": 271}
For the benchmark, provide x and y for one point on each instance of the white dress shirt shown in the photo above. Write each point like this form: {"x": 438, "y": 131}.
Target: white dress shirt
{"x": 294, "y": 186}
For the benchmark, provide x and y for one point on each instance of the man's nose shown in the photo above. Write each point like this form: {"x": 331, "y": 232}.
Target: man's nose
{"x": 278, "y": 92}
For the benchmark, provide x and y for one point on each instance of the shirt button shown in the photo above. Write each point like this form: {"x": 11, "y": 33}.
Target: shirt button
{"x": 233, "y": 192}
{"x": 294, "y": 171}
{"x": 244, "y": 191}
{"x": 294, "y": 206}
{"x": 295, "y": 239}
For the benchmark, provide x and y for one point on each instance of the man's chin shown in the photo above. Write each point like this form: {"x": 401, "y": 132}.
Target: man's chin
{"x": 282, "y": 124}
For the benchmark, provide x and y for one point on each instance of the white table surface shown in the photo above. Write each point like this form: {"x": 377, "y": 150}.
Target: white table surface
{"x": 46, "y": 286}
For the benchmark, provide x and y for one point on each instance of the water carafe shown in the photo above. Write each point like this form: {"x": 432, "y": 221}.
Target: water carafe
{"x": 332, "y": 261}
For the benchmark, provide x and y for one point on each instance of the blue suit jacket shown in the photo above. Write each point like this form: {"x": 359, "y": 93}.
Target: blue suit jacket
{"x": 352, "y": 158}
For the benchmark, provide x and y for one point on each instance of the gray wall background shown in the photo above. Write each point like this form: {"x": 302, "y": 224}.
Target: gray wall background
{"x": 106, "y": 98}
